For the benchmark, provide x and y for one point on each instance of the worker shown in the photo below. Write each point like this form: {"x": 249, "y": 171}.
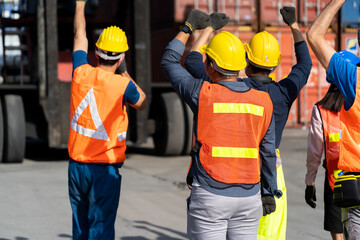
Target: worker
{"x": 234, "y": 132}
{"x": 346, "y": 77}
{"x": 323, "y": 135}
{"x": 99, "y": 121}
{"x": 263, "y": 56}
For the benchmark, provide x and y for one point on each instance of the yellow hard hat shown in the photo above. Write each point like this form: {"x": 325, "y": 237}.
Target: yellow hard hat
{"x": 227, "y": 51}
{"x": 263, "y": 50}
{"x": 112, "y": 39}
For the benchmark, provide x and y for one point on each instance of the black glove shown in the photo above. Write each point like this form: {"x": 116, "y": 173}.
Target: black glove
{"x": 359, "y": 37}
{"x": 197, "y": 20}
{"x": 310, "y": 196}
{"x": 269, "y": 205}
{"x": 122, "y": 68}
{"x": 218, "y": 20}
{"x": 288, "y": 14}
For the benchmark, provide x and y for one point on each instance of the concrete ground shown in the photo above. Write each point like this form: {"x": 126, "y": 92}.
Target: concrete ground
{"x": 34, "y": 202}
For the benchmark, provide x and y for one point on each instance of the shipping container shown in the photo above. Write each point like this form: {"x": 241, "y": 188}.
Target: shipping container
{"x": 309, "y": 9}
{"x": 270, "y": 11}
{"x": 239, "y": 11}
{"x": 350, "y": 14}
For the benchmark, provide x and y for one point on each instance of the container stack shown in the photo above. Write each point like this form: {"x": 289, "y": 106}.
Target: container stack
{"x": 251, "y": 16}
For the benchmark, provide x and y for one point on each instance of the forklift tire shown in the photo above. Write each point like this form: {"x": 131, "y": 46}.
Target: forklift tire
{"x": 14, "y": 126}
{"x": 169, "y": 136}
{"x": 1, "y": 133}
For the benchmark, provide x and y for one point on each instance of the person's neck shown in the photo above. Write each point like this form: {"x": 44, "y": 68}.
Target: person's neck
{"x": 227, "y": 79}
{"x": 257, "y": 74}
{"x": 108, "y": 68}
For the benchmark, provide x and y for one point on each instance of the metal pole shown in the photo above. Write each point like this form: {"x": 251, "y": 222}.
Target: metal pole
{"x": 41, "y": 48}
{"x": 142, "y": 60}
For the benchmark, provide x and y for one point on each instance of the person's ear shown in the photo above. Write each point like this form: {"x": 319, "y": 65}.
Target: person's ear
{"x": 120, "y": 60}
{"x": 211, "y": 67}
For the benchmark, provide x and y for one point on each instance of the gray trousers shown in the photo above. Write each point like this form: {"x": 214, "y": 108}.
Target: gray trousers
{"x": 215, "y": 217}
{"x": 351, "y": 223}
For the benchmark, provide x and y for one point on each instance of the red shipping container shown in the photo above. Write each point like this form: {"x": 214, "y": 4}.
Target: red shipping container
{"x": 239, "y": 11}
{"x": 270, "y": 11}
{"x": 316, "y": 87}
{"x": 309, "y": 9}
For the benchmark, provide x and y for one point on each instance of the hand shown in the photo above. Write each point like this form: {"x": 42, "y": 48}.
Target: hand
{"x": 197, "y": 20}
{"x": 310, "y": 196}
{"x": 218, "y": 20}
{"x": 269, "y": 205}
{"x": 288, "y": 14}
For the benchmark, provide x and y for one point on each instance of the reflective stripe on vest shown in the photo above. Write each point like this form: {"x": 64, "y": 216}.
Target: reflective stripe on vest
{"x": 238, "y": 108}
{"x": 99, "y": 121}
{"x": 235, "y": 152}
{"x": 331, "y": 128}
{"x": 334, "y": 137}
{"x": 349, "y": 159}
{"x": 231, "y": 126}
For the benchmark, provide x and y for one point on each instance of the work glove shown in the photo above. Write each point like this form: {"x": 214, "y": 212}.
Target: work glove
{"x": 197, "y": 20}
{"x": 84, "y": 1}
{"x": 288, "y": 14}
{"x": 122, "y": 68}
{"x": 218, "y": 20}
{"x": 269, "y": 205}
{"x": 310, "y": 195}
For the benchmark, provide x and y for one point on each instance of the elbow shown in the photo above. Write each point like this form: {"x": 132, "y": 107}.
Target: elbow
{"x": 310, "y": 36}
{"x": 143, "y": 104}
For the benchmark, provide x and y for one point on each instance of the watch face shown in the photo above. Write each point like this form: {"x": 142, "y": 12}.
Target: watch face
{"x": 186, "y": 29}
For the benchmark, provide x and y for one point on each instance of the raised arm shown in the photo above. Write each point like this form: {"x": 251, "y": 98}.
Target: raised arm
{"x": 289, "y": 17}
{"x": 316, "y": 33}
{"x": 194, "y": 60}
{"x": 80, "y": 39}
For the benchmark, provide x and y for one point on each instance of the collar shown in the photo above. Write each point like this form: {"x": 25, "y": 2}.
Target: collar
{"x": 263, "y": 79}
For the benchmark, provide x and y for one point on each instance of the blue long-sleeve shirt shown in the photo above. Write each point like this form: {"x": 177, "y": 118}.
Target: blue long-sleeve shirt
{"x": 189, "y": 88}
{"x": 344, "y": 75}
{"x": 282, "y": 93}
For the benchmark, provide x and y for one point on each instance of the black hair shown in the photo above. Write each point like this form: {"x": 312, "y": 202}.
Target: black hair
{"x": 258, "y": 70}
{"x": 333, "y": 99}
{"x": 209, "y": 59}
{"x": 108, "y": 63}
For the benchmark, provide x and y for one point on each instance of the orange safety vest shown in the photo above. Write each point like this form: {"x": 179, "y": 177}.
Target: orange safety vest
{"x": 98, "y": 116}
{"x": 331, "y": 127}
{"x": 350, "y": 134}
{"x": 230, "y": 128}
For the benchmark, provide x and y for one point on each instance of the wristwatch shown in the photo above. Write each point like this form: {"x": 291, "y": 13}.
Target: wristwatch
{"x": 186, "y": 29}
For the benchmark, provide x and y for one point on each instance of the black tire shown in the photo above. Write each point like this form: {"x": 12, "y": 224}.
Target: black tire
{"x": 14, "y": 125}
{"x": 169, "y": 134}
{"x": 1, "y": 133}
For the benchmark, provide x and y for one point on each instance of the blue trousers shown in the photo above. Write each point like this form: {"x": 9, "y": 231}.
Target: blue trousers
{"x": 94, "y": 192}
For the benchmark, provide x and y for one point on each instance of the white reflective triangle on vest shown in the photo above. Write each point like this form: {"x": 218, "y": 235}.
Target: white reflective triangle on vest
{"x": 100, "y": 133}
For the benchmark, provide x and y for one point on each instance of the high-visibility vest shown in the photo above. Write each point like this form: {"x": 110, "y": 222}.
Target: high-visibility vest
{"x": 331, "y": 127}
{"x": 98, "y": 118}
{"x": 350, "y": 134}
{"x": 230, "y": 128}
